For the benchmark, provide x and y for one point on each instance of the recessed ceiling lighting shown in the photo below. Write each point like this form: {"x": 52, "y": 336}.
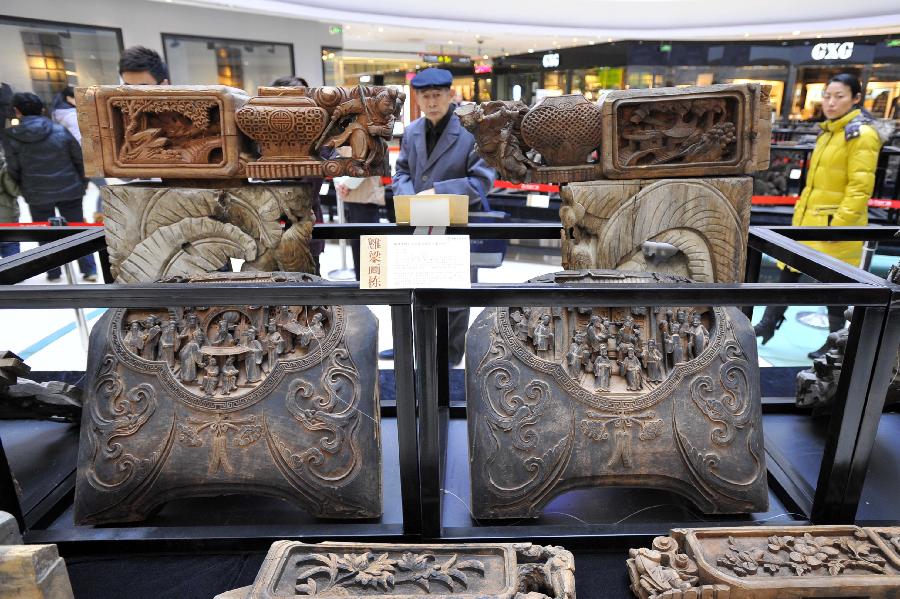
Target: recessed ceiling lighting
{"x": 485, "y": 57}
{"x": 348, "y": 27}
{"x": 380, "y": 29}
{"x": 506, "y": 54}
{"x": 818, "y": 36}
{"x": 574, "y": 39}
{"x": 746, "y": 35}
{"x": 591, "y": 43}
{"x": 449, "y": 41}
{"x": 609, "y": 39}
{"x": 531, "y": 50}
{"x": 795, "y": 33}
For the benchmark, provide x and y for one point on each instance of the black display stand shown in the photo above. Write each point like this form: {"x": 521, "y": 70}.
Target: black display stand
{"x": 425, "y": 445}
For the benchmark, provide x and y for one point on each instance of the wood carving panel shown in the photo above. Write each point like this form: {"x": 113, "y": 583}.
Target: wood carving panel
{"x": 156, "y": 231}
{"x": 473, "y": 570}
{"x": 271, "y": 400}
{"x": 161, "y": 131}
{"x": 690, "y": 227}
{"x": 768, "y": 562}
{"x": 633, "y": 134}
{"x": 296, "y": 126}
{"x": 563, "y": 398}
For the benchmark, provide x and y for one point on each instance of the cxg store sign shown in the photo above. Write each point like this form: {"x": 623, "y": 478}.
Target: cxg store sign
{"x": 832, "y": 51}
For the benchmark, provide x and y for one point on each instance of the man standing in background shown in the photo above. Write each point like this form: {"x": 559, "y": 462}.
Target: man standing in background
{"x": 142, "y": 66}
{"x": 437, "y": 155}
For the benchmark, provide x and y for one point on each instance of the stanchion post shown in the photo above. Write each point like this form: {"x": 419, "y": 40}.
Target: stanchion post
{"x": 407, "y": 434}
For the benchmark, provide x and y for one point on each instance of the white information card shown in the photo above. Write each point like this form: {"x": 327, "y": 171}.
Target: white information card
{"x": 415, "y": 261}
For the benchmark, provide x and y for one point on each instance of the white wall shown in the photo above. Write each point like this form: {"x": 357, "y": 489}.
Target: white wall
{"x": 142, "y": 22}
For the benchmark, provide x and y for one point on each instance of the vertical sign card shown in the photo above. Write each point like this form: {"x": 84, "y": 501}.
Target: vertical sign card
{"x": 414, "y": 261}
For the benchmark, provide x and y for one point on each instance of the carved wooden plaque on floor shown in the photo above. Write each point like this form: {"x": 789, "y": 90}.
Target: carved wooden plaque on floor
{"x": 168, "y": 131}
{"x": 154, "y": 231}
{"x": 690, "y": 227}
{"x": 651, "y": 396}
{"x": 270, "y": 400}
{"x": 472, "y": 570}
{"x": 769, "y": 562}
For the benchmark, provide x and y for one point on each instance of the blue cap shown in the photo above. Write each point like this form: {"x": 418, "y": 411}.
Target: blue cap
{"x": 432, "y": 77}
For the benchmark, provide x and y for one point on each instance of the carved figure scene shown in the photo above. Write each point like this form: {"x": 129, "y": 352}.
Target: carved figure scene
{"x": 270, "y": 400}
{"x": 221, "y": 353}
{"x": 696, "y": 228}
{"x": 768, "y": 562}
{"x": 646, "y": 396}
{"x": 155, "y": 231}
{"x": 301, "y": 130}
{"x": 489, "y": 571}
{"x": 170, "y": 131}
{"x": 645, "y": 133}
{"x": 614, "y": 350}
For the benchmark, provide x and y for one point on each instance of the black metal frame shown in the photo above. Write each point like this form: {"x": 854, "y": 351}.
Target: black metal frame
{"x": 423, "y": 409}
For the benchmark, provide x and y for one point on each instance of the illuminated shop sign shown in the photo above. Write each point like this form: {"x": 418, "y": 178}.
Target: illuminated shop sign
{"x": 832, "y": 51}
{"x": 550, "y": 61}
{"x": 447, "y": 59}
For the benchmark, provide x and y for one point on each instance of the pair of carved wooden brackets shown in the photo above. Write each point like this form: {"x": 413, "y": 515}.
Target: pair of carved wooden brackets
{"x": 640, "y": 133}
{"x": 218, "y": 132}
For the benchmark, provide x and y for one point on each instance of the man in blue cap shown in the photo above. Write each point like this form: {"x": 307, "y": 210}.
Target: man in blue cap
{"x": 437, "y": 155}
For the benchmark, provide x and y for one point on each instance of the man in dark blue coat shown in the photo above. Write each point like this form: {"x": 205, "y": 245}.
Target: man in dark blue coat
{"x": 46, "y": 162}
{"x": 437, "y": 155}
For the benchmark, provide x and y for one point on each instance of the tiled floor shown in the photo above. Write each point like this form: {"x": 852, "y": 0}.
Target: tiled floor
{"x": 49, "y": 339}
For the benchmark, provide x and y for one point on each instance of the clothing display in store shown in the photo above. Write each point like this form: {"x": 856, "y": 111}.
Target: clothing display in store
{"x": 269, "y": 400}
{"x": 484, "y": 570}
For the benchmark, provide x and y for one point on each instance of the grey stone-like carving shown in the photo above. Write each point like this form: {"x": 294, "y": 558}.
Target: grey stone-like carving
{"x": 227, "y": 416}
{"x": 690, "y": 423}
{"x": 482, "y": 570}
{"x": 154, "y": 232}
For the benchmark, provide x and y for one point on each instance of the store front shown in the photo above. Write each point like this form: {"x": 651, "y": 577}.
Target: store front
{"x": 797, "y": 71}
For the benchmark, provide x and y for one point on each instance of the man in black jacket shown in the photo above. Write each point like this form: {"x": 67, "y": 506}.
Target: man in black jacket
{"x": 46, "y": 162}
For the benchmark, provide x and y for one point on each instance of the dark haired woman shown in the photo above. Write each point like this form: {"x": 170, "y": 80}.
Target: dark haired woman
{"x": 838, "y": 187}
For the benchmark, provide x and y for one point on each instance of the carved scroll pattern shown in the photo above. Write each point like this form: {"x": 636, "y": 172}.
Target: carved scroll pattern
{"x": 512, "y": 416}
{"x": 335, "y": 458}
{"x": 116, "y": 414}
{"x": 331, "y": 574}
{"x": 731, "y": 412}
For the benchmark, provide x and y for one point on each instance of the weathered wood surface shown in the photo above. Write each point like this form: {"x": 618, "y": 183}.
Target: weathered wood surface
{"x": 562, "y": 398}
{"x": 33, "y": 572}
{"x": 483, "y": 570}
{"x": 155, "y": 231}
{"x": 769, "y": 562}
{"x": 9, "y": 530}
{"x": 630, "y": 134}
{"x": 168, "y": 131}
{"x": 628, "y": 225}
{"x": 185, "y": 402}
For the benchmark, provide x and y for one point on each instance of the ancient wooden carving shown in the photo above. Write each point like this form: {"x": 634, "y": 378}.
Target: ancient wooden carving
{"x": 768, "y": 562}
{"x": 560, "y": 398}
{"x": 691, "y": 227}
{"x": 33, "y": 572}
{"x": 161, "y": 131}
{"x": 155, "y": 231}
{"x": 272, "y": 400}
{"x": 638, "y": 134}
{"x": 483, "y": 570}
{"x": 295, "y": 127}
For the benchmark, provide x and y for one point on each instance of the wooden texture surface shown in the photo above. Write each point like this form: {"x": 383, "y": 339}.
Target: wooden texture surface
{"x": 271, "y": 400}
{"x": 483, "y": 570}
{"x": 614, "y": 224}
{"x": 33, "y": 572}
{"x": 769, "y": 562}
{"x": 168, "y": 131}
{"x": 563, "y": 398}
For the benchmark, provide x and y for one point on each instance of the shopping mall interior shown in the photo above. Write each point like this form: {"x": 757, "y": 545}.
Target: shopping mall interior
{"x": 513, "y": 418}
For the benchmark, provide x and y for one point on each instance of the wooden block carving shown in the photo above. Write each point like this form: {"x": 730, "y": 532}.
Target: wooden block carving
{"x": 155, "y": 231}
{"x": 637, "y": 134}
{"x": 769, "y": 562}
{"x": 168, "y": 131}
{"x": 33, "y": 572}
{"x": 562, "y": 398}
{"x": 271, "y": 400}
{"x": 472, "y": 570}
{"x": 691, "y": 227}
{"x": 295, "y": 126}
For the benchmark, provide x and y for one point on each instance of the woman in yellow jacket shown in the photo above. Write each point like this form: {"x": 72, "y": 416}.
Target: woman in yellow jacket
{"x": 839, "y": 184}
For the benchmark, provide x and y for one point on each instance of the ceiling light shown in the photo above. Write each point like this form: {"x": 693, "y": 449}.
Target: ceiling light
{"x": 574, "y": 39}
{"x": 380, "y": 29}
{"x": 591, "y": 43}
{"x": 485, "y": 57}
{"x": 348, "y": 27}
{"x": 746, "y": 35}
{"x": 609, "y": 39}
{"x": 449, "y": 41}
{"x": 531, "y": 50}
{"x": 818, "y": 36}
{"x": 795, "y": 33}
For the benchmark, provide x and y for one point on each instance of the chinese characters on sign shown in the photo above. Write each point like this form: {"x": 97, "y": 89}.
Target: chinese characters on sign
{"x": 415, "y": 261}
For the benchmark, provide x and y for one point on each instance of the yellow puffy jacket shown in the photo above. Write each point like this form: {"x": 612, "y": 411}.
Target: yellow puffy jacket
{"x": 839, "y": 183}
